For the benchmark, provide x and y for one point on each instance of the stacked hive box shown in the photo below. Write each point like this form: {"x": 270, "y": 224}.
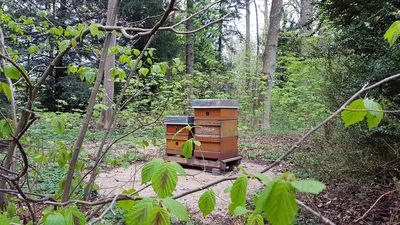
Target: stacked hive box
{"x": 174, "y": 141}
{"x": 216, "y": 128}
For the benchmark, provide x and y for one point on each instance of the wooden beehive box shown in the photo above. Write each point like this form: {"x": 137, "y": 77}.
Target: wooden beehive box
{"x": 216, "y": 128}
{"x": 174, "y": 141}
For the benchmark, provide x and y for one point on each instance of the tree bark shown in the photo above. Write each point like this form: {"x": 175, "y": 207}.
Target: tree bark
{"x": 108, "y": 82}
{"x": 269, "y": 59}
{"x": 189, "y": 50}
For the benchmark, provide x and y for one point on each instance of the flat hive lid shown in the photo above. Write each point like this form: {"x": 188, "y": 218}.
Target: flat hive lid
{"x": 215, "y": 103}
{"x": 179, "y": 120}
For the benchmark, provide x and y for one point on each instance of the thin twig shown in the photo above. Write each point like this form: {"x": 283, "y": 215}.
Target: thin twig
{"x": 373, "y": 205}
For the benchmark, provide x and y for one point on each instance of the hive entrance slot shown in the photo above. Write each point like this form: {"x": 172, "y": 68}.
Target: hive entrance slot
{"x": 207, "y": 113}
{"x": 176, "y": 143}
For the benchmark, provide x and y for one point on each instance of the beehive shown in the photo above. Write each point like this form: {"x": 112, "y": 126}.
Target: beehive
{"x": 174, "y": 141}
{"x": 216, "y": 128}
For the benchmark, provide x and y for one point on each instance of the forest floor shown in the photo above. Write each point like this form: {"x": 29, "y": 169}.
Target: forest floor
{"x": 342, "y": 202}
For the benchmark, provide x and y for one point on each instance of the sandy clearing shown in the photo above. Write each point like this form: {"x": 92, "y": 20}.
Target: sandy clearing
{"x": 116, "y": 180}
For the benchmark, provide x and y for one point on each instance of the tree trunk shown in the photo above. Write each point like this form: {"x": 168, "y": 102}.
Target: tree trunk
{"x": 306, "y": 10}
{"x": 89, "y": 111}
{"x": 189, "y": 50}
{"x": 108, "y": 82}
{"x": 247, "y": 45}
{"x": 269, "y": 58}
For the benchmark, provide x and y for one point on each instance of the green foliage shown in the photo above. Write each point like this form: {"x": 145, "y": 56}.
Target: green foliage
{"x": 6, "y": 90}
{"x": 238, "y": 193}
{"x": 308, "y": 186}
{"x": 176, "y": 208}
{"x": 207, "y": 202}
{"x": 360, "y": 109}
{"x": 164, "y": 180}
{"x": 66, "y": 216}
{"x": 393, "y": 33}
{"x": 126, "y": 205}
{"x": 187, "y": 149}
{"x": 149, "y": 169}
{"x": 12, "y": 72}
{"x": 140, "y": 212}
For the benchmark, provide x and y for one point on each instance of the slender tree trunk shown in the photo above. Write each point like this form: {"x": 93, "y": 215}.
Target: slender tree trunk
{"x": 189, "y": 50}
{"x": 306, "y": 10}
{"x": 255, "y": 93}
{"x": 110, "y": 63}
{"x": 89, "y": 112}
{"x": 266, "y": 19}
{"x": 269, "y": 62}
{"x": 247, "y": 44}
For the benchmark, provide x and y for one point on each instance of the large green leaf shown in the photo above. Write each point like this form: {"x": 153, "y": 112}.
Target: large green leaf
{"x": 281, "y": 207}
{"x": 207, "y": 202}
{"x": 263, "y": 178}
{"x": 127, "y": 204}
{"x": 240, "y": 210}
{"x": 352, "y": 117}
{"x": 179, "y": 169}
{"x": 54, "y": 219}
{"x": 59, "y": 125}
{"x": 187, "y": 148}
{"x": 393, "y": 33}
{"x": 176, "y": 208}
{"x": 158, "y": 216}
{"x": 262, "y": 197}
{"x": 375, "y": 118}
{"x": 238, "y": 193}
{"x": 11, "y": 71}
{"x": 73, "y": 214}
{"x": 139, "y": 214}
{"x": 6, "y": 89}
{"x": 308, "y": 186}
{"x": 164, "y": 180}
{"x": 149, "y": 168}
{"x": 255, "y": 219}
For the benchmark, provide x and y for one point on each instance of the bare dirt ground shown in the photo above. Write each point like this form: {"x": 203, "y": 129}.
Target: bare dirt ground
{"x": 116, "y": 180}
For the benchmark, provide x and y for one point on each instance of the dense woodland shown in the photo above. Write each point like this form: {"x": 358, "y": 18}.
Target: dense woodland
{"x": 85, "y": 85}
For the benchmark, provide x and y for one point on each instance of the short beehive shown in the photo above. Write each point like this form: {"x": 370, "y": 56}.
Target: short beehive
{"x": 174, "y": 141}
{"x": 216, "y": 123}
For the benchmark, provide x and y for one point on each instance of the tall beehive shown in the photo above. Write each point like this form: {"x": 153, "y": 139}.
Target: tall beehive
{"x": 216, "y": 122}
{"x": 173, "y": 125}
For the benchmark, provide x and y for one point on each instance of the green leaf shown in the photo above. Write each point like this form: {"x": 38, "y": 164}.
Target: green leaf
{"x": 54, "y": 219}
{"x": 11, "y": 71}
{"x": 136, "y": 52}
{"x": 176, "y": 208}
{"x": 73, "y": 214}
{"x": 187, "y": 148}
{"x": 240, "y": 210}
{"x": 238, "y": 193}
{"x": 149, "y": 168}
{"x": 62, "y": 46}
{"x": 308, "y": 186}
{"x": 178, "y": 168}
{"x": 374, "y": 117}
{"x": 352, "y": 117}
{"x": 6, "y": 89}
{"x": 158, "y": 216}
{"x": 94, "y": 30}
{"x": 281, "y": 207}
{"x": 374, "y": 121}
{"x": 143, "y": 71}
{"x": 393, "y": 33}
{"x": 197, "y": 143}
{"x": 126, "y": 205}
{"x": 207, "y": 202}
{"x": 263, "y": 178}
{"x": 372, "y": 106}
{"x": 59, "y": 125}
{"x": 164, "y": 180}
{"x": 156, "y": 68}
{"x": 255, "y": 219}
{"x": 139, "y": 214}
